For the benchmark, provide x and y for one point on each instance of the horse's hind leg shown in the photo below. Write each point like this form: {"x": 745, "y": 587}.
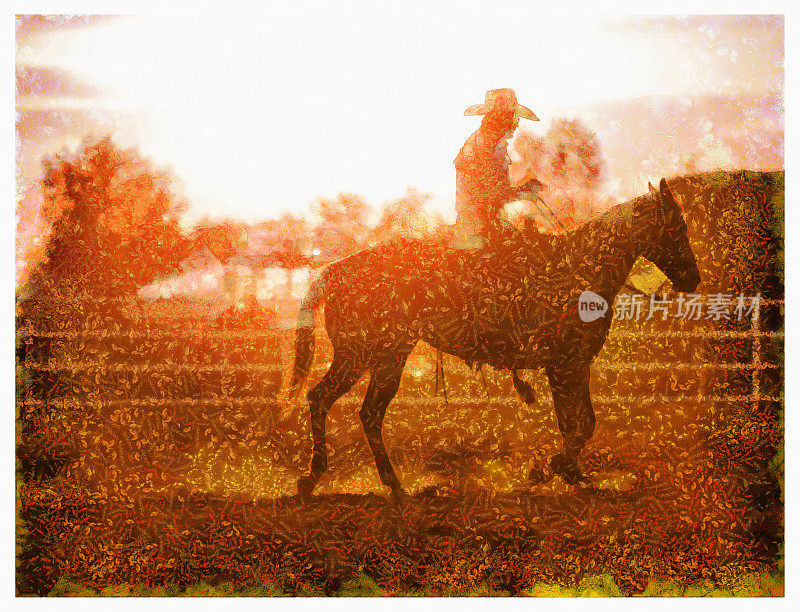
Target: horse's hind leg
{"x": 383, "y": 384}
{"x": 340, "y": 377}
{"x": 573, "y": 405}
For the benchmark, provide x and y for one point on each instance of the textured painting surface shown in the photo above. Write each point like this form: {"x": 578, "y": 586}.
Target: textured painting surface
{"x": 369, "y": 320}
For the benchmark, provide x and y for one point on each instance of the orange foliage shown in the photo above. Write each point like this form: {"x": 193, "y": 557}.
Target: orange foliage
{"x": 114, "y": 221}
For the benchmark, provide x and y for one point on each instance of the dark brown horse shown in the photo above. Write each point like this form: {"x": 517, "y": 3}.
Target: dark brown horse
{"x": 514, "y": 305}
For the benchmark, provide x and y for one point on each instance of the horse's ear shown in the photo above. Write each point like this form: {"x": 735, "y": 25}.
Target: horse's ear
{"x": 665, "y": 191}
{"x": 668, "y": 196}
{"x": 651, "y": 189}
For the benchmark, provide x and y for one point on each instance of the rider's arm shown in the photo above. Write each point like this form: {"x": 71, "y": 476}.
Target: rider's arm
{"x": 482, "y": 174}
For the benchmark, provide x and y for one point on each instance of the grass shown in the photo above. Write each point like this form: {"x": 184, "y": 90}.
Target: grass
{"x": 762, "y": 584}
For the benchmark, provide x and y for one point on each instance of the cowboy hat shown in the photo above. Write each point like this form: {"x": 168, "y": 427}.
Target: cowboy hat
{"x": 498, "y": 100}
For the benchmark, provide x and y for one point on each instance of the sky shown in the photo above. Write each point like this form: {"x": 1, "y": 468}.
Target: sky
{"x": 261, "y": 113}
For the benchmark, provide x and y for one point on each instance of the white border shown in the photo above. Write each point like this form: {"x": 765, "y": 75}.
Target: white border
{"x": 538, "y": 12}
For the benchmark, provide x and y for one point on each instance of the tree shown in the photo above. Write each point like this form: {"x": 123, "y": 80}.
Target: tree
{"x": 567, "y": 159}
{"x": 114, "y": 222}
{"x": 228, "y": 241}
{"x": 343, "y": 226}
{"x": 292, "y": 248}
{"x": 406, "y": 216}
{"x": 285, "y": 243}
{"x": 114, "y": 228}
{"x": 574, "y": 155}
{"x": 222, "y": 239}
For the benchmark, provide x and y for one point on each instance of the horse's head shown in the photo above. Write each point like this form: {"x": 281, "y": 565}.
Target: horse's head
{"x": 666, "y": 242}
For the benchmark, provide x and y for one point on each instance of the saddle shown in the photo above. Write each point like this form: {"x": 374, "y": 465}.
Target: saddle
{"x": 504, "y": 239}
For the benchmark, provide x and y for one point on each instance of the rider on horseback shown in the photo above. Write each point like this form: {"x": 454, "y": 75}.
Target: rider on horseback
{"x": 482, "y": 182}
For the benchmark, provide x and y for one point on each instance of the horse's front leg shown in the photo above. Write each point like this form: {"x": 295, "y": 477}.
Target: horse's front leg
{"x": 573, "y": 405}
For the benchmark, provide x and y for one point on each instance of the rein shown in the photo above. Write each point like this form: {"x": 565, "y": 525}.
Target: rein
{"x": 440, "y": 370}
{"x": 553, "y": 216}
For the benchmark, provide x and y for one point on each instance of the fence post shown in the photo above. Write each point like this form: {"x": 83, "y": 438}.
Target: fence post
{"x": 755, "y": 330}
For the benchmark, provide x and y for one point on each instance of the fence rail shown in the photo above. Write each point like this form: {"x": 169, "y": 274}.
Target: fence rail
{"x": 216, "y": 304}
{"x": 755, "y": 365}
{"x": 244, "y": 335}
{"x": 509, "y": 400}
{"x": 174, "y": 366}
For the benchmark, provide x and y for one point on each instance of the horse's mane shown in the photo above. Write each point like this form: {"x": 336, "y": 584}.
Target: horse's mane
{"x": 512, "y": 240}
{"x": 618, "y": 215}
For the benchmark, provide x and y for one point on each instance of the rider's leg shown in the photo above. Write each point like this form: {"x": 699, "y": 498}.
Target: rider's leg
{"x": 469, "y": 230}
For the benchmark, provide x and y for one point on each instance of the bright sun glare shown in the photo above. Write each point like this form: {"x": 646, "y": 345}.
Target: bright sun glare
{"x": 260, "y": 114}
{"x": 257, "y": 116}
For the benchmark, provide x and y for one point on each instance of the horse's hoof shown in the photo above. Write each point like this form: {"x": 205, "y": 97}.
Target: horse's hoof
{"x": 540, "y": 475}
{"x": 560, "y": 463}
{"x": 567, "y": 467}
{"x": 305, "y": 486}
{"x": 573, "y": 476}
{"x": 399, "y": 495}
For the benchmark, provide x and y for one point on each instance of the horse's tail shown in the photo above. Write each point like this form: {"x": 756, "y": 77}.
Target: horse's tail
{"x": 304, "y": 336}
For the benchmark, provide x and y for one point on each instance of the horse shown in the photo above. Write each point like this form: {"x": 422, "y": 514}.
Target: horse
{"x": 513, "y": 304}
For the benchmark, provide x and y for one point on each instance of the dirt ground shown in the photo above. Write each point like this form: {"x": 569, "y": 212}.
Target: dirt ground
{"x": 660, "y": 507}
